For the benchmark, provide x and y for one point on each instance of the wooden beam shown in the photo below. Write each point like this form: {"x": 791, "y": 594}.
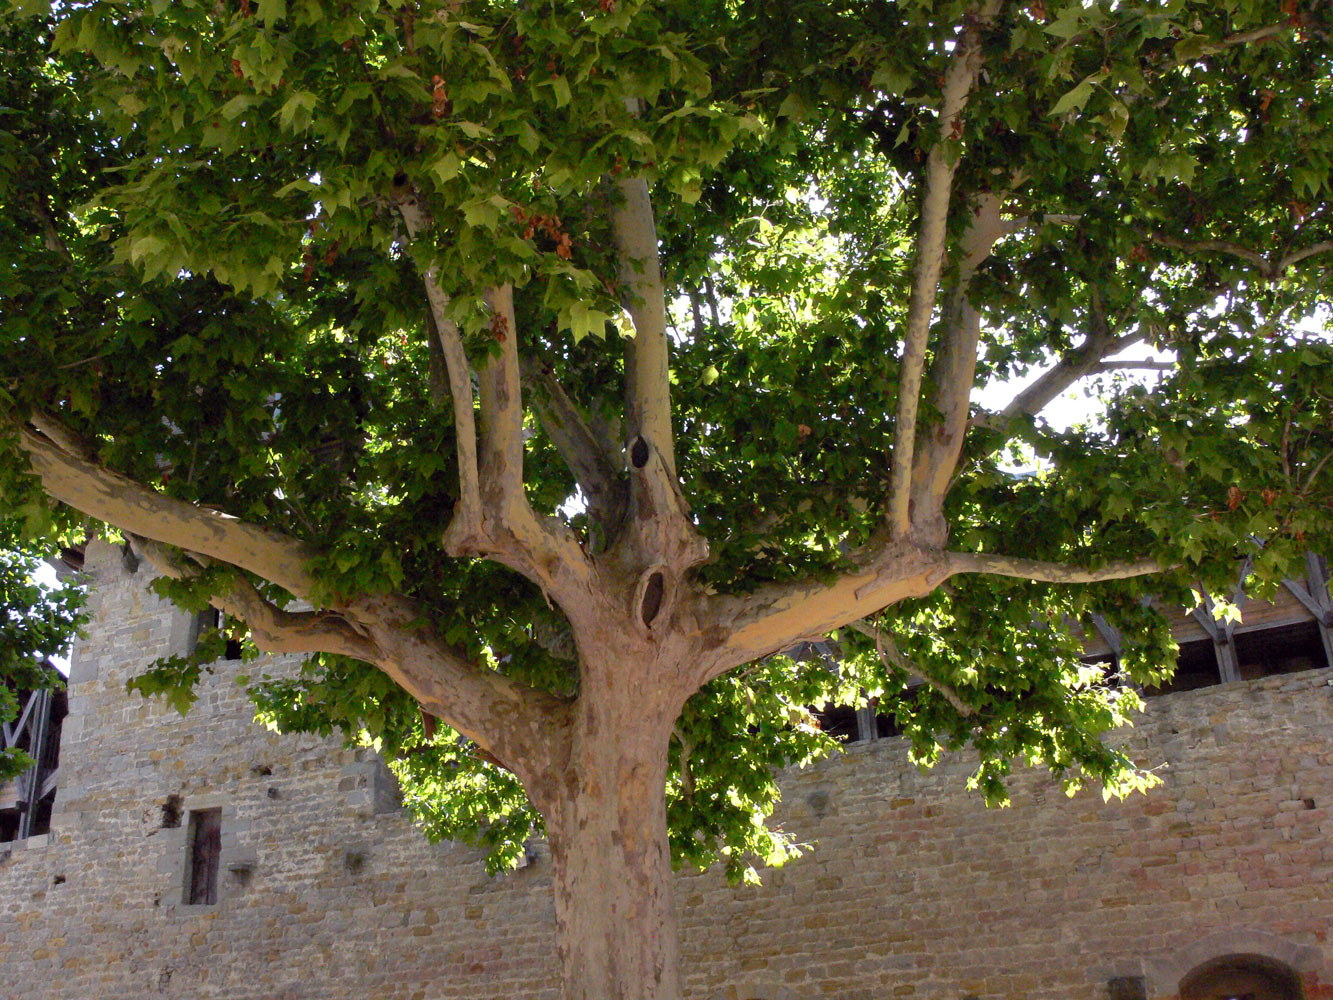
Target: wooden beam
{"x": 1314, "y": 595}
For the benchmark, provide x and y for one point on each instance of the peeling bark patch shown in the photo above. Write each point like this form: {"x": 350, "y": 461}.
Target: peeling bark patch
{"x": 638, "y": 453}
{"x": 651, "y": 603}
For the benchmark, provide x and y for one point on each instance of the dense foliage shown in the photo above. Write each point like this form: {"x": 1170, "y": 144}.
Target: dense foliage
{"x": 210, "y": 282}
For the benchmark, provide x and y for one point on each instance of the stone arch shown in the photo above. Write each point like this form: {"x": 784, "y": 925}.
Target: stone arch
{"x": 1243, "y": 977}
{"x": 1167, "y": 974}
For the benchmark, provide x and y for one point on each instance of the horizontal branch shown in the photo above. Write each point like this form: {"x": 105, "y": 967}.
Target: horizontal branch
{"x": 746, "y": 627}
{"x": 1239, "y": 38}
{"x": 1048, "y": 572}
{"x": 1271, "y": 267}
{"x": 75, "y": 480}
{"x": 1296, "y": 256}
{"x": 1210, "y": 246}
{"x": 274, "y": 629}
{"x": 1019, "y": 223}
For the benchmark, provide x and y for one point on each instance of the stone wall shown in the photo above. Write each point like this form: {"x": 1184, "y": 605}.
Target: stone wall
{"x": 911, "y": 888}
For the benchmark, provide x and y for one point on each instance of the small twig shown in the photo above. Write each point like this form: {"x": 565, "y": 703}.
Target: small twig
{"x": 1309, "y": 480}
{"x": 1144, "y": 365}
{"x": 891, "y": 655}
{"x": 75, "y": 364}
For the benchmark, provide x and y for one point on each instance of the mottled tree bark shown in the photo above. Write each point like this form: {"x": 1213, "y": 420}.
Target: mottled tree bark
{"x": 616, "y": 926}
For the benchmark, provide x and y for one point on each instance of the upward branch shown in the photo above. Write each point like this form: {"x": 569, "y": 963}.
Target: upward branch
{"x": 1100, "y": 343}
{"x": 467, "y": 514}
{"x": 954, "y": 370}
{"x": 506, "y": 528}
{"x": 450, "y": 342}
{"x": 647, "y": 382}
{"x": 588, "y": 450}
{"x": 941, "y": 164}
{"x": 501, "y": 436}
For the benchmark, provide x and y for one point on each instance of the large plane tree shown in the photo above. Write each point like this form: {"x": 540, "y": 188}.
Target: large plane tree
{"x": 591, "y": 387}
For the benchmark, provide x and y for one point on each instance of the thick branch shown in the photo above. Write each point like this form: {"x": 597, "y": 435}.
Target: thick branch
{"x": 594, "y": 461}
{"x": 467, "y": 514}
{"x": 108, "y": 496}
{"x": 647, "y": 382}
{"x": 520, "y": 726}
{"x": 941, "y": 164}
{"x": 501, "y": 431}
{"x": 954, "y": 370}
{"x": 746, "y": 627}
{"x": 1048, "y": 572}
{"x": 890, "y": 654}
{"x": 274, "y": 629}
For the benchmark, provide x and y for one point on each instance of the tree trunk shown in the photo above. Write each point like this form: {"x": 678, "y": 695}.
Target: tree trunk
{"x": 616, "y": 930}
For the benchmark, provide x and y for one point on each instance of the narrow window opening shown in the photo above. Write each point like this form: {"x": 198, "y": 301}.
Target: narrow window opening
{"x": 205, "y": 840}
{"x": 27, "y": 801}
{"x": 171, "y": 812}
{"x": 1282, "y": 650}
{"x": 1196, "y": 667}
{"x": 212, "y": 618}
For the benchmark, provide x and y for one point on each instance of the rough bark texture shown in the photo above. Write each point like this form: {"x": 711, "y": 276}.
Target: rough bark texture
{"x": 616, "y": 924}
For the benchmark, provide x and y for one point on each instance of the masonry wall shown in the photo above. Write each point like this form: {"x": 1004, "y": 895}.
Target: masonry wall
{"x": 912, "y": 888}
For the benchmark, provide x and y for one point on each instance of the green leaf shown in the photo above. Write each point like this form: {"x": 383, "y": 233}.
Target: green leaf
{"x": 561, "y": 87}
{"x": 145, "y": 246}
{"x": 238, "y": 105}
{"x": 1074, "y": 99}
{"x": 447, "y": 167}
{"x": 296, "y": 112}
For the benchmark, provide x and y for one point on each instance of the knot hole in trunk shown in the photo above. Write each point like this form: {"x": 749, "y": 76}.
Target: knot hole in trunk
{"x": 638, "y": 453}
{"x": 650, "y": 596}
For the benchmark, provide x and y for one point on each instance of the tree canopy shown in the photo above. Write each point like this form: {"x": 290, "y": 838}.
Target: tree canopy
{"x": 498, "y": 354}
